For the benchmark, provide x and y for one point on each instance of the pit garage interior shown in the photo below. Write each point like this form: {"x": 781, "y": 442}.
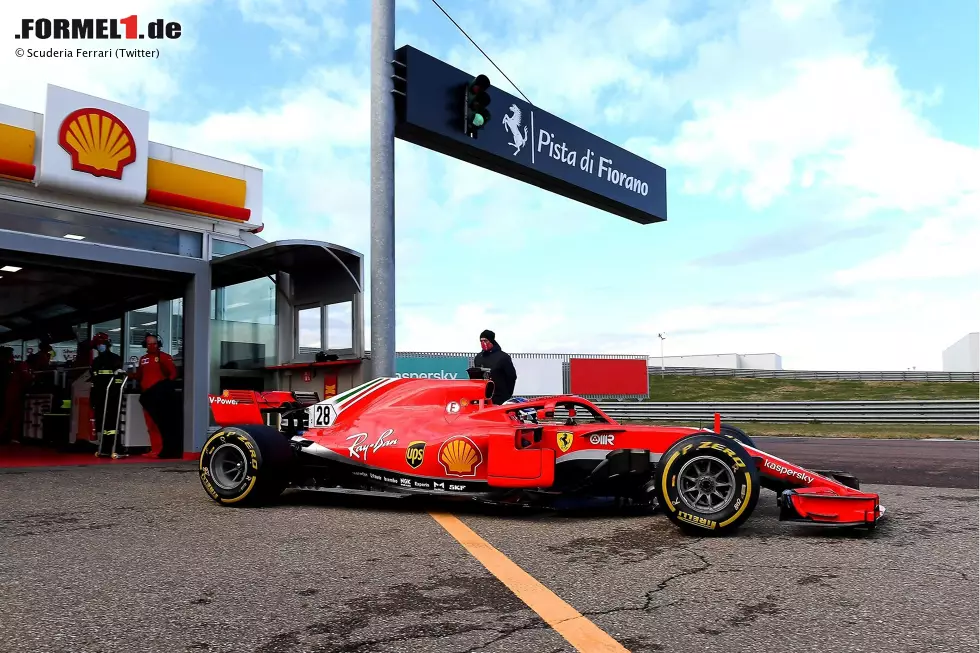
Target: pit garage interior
{"x": 235, "y": 313}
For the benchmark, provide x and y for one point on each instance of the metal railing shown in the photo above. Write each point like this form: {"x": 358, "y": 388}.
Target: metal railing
{"x": 820, "y": 375}
{"x": 965, "y": 411}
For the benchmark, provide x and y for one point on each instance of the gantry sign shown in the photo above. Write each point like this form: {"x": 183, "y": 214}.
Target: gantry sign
{"x": 444, "y": 109}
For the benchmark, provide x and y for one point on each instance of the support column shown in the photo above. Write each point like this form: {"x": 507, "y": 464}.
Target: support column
{"x": 165, "y": 312}
{"x": 382, "y": 188}
{"x": 197, "y": 359}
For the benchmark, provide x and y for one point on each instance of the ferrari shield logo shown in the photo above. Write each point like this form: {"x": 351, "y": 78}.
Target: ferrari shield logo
{"x": 565, "y": 440}
{"x": 415, "y": 453}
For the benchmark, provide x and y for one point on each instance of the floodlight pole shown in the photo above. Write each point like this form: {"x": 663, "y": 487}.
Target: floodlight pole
{"x": 382, "y": 188}
{"x": 662, "y": 337}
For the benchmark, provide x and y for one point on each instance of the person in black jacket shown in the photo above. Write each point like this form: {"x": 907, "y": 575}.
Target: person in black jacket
{"x": 501, "y": 367}
{"x": 103, "y": 369}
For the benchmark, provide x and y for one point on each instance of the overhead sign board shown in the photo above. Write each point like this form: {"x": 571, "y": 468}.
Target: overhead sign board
{"x": 523, "y": 142}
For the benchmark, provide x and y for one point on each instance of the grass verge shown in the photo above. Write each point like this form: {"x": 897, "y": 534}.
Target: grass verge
{"x": 874, "y": 431}
{"x": 702, "y": 388}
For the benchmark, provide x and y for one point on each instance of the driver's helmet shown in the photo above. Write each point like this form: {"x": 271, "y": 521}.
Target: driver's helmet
{"x": 528, "y": 414}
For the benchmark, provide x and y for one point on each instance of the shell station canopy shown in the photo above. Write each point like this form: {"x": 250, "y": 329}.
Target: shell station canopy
{"x": 97, "y": 220}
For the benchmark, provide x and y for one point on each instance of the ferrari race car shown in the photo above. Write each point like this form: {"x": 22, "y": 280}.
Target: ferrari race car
{"x": 421, "y": 436}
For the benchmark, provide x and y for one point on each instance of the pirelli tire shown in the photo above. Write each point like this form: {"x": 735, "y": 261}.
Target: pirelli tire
{"x": 707, "y": 484}
{"x": 245, "y": 465}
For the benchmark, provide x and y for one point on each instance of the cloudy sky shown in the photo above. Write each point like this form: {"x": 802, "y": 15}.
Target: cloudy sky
{"x": 822, "y": 161}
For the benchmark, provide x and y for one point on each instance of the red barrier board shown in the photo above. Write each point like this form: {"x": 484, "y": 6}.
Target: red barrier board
{"x": 608, "y": 376}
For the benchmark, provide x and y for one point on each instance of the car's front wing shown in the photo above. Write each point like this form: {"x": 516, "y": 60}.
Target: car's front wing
{"x": 809, "y": 497}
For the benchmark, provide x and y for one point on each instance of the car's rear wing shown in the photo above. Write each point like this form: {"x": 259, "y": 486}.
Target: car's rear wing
{"x": 239, "y": 407}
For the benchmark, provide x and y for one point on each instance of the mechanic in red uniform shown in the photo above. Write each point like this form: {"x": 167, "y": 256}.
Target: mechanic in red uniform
{"x": 156, "y": 375}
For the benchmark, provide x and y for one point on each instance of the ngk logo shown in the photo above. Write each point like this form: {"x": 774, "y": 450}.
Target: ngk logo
{"x": 222, "y": 401}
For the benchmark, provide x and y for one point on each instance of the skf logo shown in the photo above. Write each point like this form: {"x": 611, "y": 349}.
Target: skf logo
{"x": 98, "y": 142}
{"x": 565, "y": 440}
{"x": 460, "y": 457}
{"x": 415, "y": 453}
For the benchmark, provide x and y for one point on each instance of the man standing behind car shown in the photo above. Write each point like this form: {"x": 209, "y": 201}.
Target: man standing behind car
{"x": 501, "y": 367}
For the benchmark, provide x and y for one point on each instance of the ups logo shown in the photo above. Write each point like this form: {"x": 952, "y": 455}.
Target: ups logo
{"x": 415, "y": 454}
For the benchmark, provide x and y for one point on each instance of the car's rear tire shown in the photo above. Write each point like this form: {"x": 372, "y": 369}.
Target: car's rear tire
{"x": 707, "y": 483}
{"x": 245, "y": 465}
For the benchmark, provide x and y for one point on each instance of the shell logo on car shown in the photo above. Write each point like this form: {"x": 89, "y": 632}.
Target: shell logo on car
{"x": 98, "y": 142}
{"x": 460, "y": 457}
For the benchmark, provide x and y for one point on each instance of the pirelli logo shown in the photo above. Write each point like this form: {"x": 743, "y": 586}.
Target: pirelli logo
{"x": 697, "y": 521}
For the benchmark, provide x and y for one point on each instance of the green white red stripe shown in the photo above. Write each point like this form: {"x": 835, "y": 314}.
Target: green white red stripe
{"x": 347, "y": 399}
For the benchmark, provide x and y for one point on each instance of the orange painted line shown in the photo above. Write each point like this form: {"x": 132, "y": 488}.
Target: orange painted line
{"x": 567, "y": 621}
{"x": 175, "y": 179}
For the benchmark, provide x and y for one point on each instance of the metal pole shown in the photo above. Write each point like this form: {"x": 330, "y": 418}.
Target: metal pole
{"x": 662, "y": 364}
{"x": 382, "y": 188}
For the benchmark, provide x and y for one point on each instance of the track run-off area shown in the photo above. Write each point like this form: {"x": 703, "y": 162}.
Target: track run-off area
{"x": 136, "y": 557}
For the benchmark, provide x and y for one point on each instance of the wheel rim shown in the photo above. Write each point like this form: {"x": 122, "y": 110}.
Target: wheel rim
{"x": 706, "y": 484}
{"x": 228, "y": 466}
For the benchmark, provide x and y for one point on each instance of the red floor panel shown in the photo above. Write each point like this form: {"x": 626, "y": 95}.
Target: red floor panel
{"x": 15, "y": 455}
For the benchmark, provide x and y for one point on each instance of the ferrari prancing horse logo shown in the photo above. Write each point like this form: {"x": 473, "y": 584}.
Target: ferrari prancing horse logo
{"x": 565, "y": 440}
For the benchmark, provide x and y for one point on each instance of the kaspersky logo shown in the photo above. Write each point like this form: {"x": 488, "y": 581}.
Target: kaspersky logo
{"x": 98, "y": 142}
{"x": 441, "y": 374}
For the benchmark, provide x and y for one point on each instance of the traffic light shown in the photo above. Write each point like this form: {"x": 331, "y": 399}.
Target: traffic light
{"x": 475, "y": 110}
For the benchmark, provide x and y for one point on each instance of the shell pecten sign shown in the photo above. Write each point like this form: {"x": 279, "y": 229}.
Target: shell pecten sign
{"x": 98, "y": 142}
{"x": 94, "y": 146}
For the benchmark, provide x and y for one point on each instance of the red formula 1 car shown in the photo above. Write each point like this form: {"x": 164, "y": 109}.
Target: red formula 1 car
{"x": 410, "y": 436}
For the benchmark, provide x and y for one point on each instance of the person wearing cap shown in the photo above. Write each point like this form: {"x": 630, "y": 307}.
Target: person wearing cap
{"x": 501, "y": 367}
{"x": 104, "y": 367}
{"x": 40, "y": 360}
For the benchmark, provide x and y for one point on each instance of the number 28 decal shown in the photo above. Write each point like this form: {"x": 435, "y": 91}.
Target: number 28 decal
{"x": 319, "y": 415}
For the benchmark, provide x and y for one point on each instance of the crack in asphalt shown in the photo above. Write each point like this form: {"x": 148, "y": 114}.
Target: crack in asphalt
{"x": 662, "y": 585}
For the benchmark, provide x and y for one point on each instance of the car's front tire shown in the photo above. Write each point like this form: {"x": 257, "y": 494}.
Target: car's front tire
{"x": 707, "y": 483}
{"x": 245, "y": 465}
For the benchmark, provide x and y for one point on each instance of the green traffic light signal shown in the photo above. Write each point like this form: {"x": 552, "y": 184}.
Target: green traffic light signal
{"x": 475, "y": 109}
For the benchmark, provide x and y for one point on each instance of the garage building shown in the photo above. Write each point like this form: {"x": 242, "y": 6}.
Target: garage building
{"x": 102, "y": 230}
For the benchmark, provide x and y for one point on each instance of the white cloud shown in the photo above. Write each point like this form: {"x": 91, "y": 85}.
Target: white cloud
{"x": 794, "y": 99}
{"x": 299, "y": 23}
{"x": 147, "y": 83}
{"x": 941, "y": 248}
